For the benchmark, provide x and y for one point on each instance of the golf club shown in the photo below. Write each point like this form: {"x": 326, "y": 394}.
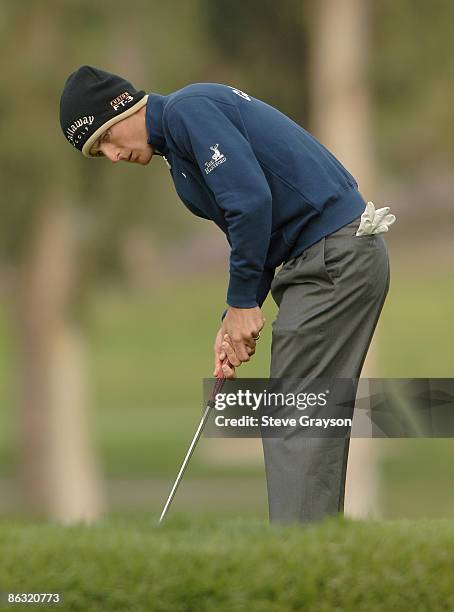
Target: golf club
{"x": 216, "y": 389}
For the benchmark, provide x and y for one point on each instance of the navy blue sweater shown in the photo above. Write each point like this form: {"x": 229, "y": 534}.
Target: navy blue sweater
{"x": 271, "y": 187}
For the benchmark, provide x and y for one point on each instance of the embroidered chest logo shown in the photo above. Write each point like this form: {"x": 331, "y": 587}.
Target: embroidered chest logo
{"x": 217, "y": 159}
{"x": 122, "y": 100}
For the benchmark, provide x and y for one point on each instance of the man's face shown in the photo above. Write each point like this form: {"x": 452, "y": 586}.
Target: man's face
{"x": 125, "y": 141}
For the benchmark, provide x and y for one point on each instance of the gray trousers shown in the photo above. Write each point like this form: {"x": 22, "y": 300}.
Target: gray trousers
{"x": 329, "y": 298}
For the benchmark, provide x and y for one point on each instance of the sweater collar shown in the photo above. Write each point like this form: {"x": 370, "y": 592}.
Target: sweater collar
{"x": 153, "y": 121}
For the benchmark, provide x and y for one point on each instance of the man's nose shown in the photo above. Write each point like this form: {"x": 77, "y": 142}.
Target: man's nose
{"x": 113, "y": 154}
{"x": 116, "y": 157}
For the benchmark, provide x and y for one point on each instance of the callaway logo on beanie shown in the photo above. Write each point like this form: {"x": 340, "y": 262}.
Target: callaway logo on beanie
{"x": 92, "y": 101}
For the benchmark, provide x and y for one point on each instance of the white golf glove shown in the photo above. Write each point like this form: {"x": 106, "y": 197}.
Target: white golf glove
{"x": 375, "y": 221}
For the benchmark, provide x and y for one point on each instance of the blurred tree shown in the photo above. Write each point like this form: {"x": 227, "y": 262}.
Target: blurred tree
{"x": 57, "y": 467}
{"x": 340, "y": 85}
{"x": 262, "y": 47}
{"x": 341, "y": 119}
{"x": 65, "y": 218}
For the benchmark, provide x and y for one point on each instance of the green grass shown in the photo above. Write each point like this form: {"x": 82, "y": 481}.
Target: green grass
{"x": 418, "y": 476}
{"x": 149, "y": 359}
{"x": 414, "y": 342}
{"x": 415, "y": 326}
{"x": 234, "y": 565}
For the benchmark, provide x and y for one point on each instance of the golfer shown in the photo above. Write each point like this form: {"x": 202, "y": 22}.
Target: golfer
{"x": 282, "y": 199}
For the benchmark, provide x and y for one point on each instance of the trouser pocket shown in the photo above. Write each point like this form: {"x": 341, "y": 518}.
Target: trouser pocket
{"x": 351, "y": 259}
{"x": 306, "y": 269}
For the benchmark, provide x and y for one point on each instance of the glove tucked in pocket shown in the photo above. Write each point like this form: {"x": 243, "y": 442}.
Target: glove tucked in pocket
{"x": 375, "y": 221}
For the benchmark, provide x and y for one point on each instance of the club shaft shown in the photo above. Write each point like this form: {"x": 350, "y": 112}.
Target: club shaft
{"x": 192, "y": 446}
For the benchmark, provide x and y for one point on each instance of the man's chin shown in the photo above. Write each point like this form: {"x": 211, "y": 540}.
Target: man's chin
{"x": 145, "y": 158}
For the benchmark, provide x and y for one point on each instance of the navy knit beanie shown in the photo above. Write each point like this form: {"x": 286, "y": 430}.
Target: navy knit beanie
{"x": 92, "y": 101}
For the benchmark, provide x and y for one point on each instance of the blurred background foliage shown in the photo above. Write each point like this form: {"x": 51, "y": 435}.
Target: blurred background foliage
{"x": 412, "y": 84}
{"x": 150, "y": 280}
{"x": 162, "y": 48}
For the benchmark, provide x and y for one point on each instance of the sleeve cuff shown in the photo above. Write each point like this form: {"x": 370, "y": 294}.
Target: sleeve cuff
{"x": 242, "y": 293}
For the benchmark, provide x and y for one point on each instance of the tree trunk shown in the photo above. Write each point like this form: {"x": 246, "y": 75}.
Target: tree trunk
{"x": 341, "y": 120}
{"x": 58, "y": 474}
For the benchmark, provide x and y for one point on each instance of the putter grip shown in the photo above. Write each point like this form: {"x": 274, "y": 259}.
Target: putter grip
{"x": 219, "y": 382}
{"x": 225, "y": 362}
